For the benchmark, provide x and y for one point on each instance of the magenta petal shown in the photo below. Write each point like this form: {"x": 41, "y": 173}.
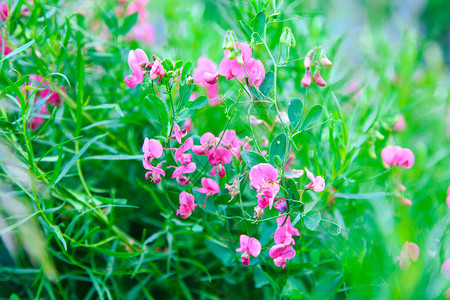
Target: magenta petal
{"x": 254, "y": 247}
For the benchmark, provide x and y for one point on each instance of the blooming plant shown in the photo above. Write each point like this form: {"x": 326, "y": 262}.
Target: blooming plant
{"x": 219, "y": 149}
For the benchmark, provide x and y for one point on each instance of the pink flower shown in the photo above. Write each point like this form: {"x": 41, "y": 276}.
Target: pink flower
{"x": 187, "y": 205}
{"x": 178, "y": 134}
{"x": 263, "y": 178}
{"x": 398, "y": 156}
{"x": 3, "y": 11}
{"x": 249, "y": 246}
{"x": 283, "y": 235}
{"x": 400, "y": 124}
{"x": 180, "y": 156}
{"x": 445, "y": 269}
{"x": 319, "y": 80}
{"x": 207, "y": 142}
{"x": 242, "y": 66}
{"x": 37, "y": 121}
{"x": 152, "y": 149}
{"x": 306, "y": 80}
{"x": 317, "y": 183}
{"x": 218, "y": 158}
{"x": 406, "y": 201}
{"x": 154, "y": 173}
{"x": 184, "y": 169}
{"x": 280, "y": 253}
{"x": 410, "y": 252}
{"x": 206, "y": 74}
{"x": 157, "y": 70}
{"x": 281, "y": 206}
{"x": 231, "y": 142}
{"x": 209, "y": 187}
{"x": 137, "y": 60}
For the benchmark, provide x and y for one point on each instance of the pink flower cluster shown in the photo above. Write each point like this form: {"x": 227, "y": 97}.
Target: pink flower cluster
{"x": 284, "y": 240}
{"x": 51, "y": 97}
{"x": 220, "y": 150}
{"x": 140, "y": 65}
{"x": 315, "y": 59}
{"x": 241, "y": 65}
{"x": 398, "y": 156}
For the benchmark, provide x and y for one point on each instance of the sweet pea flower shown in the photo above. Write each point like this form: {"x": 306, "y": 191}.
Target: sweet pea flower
{"x": 207, "y": 74}
{"x": 398, "y": 156}
{"x": 152, "y": 149}
{"x": 279, "y": 254}
{"x": 157, "y": 70}
{"x": 249, "y": 246}
{"x": 242, "y": 66}
{"x": 207, "y": 142}
{"x": 180, "y": 156}
{"x": 154, "y": 173}
{"x": 187, "y": 205}
{"x": 184, "y": 169}
{"x": 143, "y": 32}
{"x": 306, "y": 80}
{"x": 231, "y": 142}
{"x": 218, "y": 158}
{"x": 209, "y": 187}
{"x": 137, "y": 60}
{"x": 319, "y": 80}
{"x": 294, "y": 174}
{"x": 263, "y": 178}
{"x": 283, "y": 235}
{"x": 188, "y": 125}
{"x": 410, "y": 252}
{"x": 178, "y": 134}
{"x": 400, "y": 123}
{"x": 445, "y": 269}
{"x": 317, "y": 183}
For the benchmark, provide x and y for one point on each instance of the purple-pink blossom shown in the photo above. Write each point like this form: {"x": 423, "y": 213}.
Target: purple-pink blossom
{"x": 264, "y": 178}
{"x": 398, "y": 156}
{"x": 279, "y": 253}
{"x": 285, "y": 232}
{"x": 249, "y": 246}
{"x": 209, "y": 187}
{"x": 317, "y": 183}
{"x": 137, "y": 61}
{"x": 187, "y": 205}
{"x": 400, "y": 123}
{"x": 207, "y": 74}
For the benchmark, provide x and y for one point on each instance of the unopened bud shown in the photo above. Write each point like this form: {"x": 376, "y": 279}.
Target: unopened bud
{"x": 287, "y": 37}
{"x": 228, "y": 42}
{"x": 378, "y": 135}
{"x": 232, "y": 54}
{"x": 406, "y": 202}
{"x": 190, "y": 79}
{"x": 308, "y": 58}
{"x": 258, "y": 212}
{"x": 325, "y": 61}
{"x": 318, "y": 79}
{"x": 281, "y": 206}
{"x": 306, "y": 80}
{"x": 372, "y": 153}
{"x": 211, "y": 78}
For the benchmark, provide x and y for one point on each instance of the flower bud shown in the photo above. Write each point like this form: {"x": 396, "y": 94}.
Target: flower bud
{"x": 318, "y": 79}
{"x": 287, "y": 37}
{"x": 325, "y": 61}
{"x": 233, "y": 189}
{"x": 406, "y": 202}
{"x": 372, "y": 153}
{"x": 259, "y": 212}
{"x": 308, "y": 58}
{"x": 228, "y": 42}
{"x": 378, "y": 135}
{"x": 232, "y": 54}
{"x": 211, "y": 78}
{"x": 306, "y": 80}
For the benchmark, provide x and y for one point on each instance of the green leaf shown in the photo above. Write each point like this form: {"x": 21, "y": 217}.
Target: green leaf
{"x": 111, "y": 21}
{"x": 76, "y": 157}
{"x": 157, "y": 110}
{"x": 186, "y": 70}
{"x": 246, "y": 28}
{"x": 295, "y": 112}
{"x": 259, "y": 25}
{"x": 334, "y": 228}
{"x": 167, "y": 64}
{"x": 267, "y": 85}
{"x": 292, "y": 189}
{"x": 198, "y": 103}
{"x": 185, "y": 94}
{"x": 18, "y": 50}
{"x": 313, "y": 114}
{"x": 252, "y": 158}
{"x": 312, "y": 220}
{"x": 60, "y": 236}
{"x": 128, "y": 23}
{"x": 278, "y": 147}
